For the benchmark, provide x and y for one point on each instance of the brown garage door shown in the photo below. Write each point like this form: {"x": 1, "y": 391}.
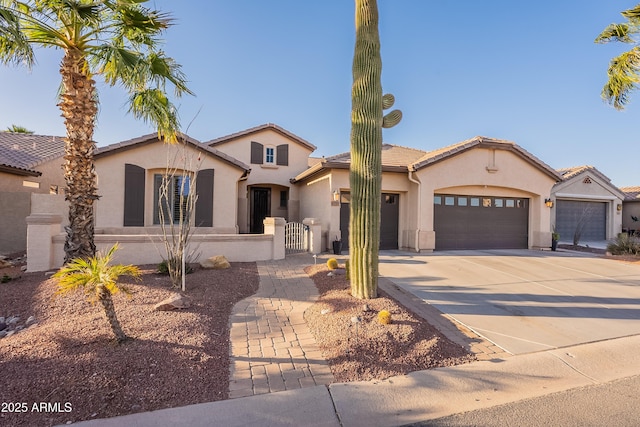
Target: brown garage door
{"x": 588, "y": 219}
{"x": 389, "y": 216}
{"x": 480, "y": 222}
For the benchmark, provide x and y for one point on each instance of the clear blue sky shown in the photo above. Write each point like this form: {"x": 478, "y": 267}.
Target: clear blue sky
{"x": 525, "y": 72}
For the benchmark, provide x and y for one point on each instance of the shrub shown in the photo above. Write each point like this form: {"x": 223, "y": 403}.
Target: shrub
{"x": 163, "y": 267}
{"x": 624, "y": 245}
{"x": 332, "y": 263}
{"x": 384, "y": 317}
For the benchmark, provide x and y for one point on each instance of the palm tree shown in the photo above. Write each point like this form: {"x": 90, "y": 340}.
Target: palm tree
{"x": 99, "y": 281}
{"x": 624, "y": 70}
{"x": 116, "y": 39}
{"x": 365, "y": 174}
{"x": 18, "y": 129}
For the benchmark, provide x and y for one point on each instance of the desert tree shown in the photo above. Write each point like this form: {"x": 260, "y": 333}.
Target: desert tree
{"x": 623, "y": 73}
{"x": 118, "y": 40}
{"x": 365, "y": 174}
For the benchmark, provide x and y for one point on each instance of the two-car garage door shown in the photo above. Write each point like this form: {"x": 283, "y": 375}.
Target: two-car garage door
{"x": 480, "y": 222}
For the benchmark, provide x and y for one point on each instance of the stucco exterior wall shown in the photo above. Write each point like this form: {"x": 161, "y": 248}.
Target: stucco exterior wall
{"x": 316, "y": 195}
{"x": 487, "y": 172}
{"x": 153, "y": 157}
{"x": 276, "y": 177}
{"x": 630, "y": 209}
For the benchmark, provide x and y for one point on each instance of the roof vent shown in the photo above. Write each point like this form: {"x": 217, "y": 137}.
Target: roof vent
{"x": 587, "y": 180}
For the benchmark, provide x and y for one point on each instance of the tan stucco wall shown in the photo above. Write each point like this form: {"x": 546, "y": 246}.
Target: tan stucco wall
{"x": 467, "y": 174}
{"x": 597, "y": 191}
{"x": 317, "y": 195}
{"x": 275, "y": 177}
{"x": 153, "y": 158}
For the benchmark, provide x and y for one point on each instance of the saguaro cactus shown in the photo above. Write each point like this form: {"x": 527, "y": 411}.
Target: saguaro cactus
{"x": 365, "y": 176}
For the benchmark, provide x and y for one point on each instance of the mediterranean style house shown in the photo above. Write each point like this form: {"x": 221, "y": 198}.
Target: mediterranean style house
{"x": 482, "y": 193}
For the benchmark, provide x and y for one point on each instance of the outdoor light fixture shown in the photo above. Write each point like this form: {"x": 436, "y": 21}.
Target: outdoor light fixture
{"x": 548, "y": 203}
{"x": 336, "y": 196}
{"x": 619, "y": 207}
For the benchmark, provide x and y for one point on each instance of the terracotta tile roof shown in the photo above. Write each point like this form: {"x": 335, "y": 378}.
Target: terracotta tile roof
{"x": 22, "y": 153}
{"x": 631, "y": 193}
{"x": 481, "y": 141}
{"x": 392, "y": 156}
{"x": 260, "y": 128}
{"x": 568, "y": 173}
{"x": 153, "y": 138}
{"x": 395, "y": 158}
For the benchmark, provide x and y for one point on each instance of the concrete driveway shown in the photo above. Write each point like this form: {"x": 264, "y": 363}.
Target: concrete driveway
{"x": 524, "y": 301}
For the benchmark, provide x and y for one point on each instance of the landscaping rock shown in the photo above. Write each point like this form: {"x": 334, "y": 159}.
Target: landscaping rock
{"x": 216, "y": 262}
{"x": 5, "y": 264}
{"x": 175, "y": 302}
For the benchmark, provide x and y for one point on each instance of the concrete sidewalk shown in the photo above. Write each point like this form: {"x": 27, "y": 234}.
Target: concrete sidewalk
{"x": 411, "y": 398}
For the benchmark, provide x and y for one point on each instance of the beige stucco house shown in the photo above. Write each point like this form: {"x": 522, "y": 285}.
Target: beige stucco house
{"x": 480, "y": 193}
{"x": 28, "y": 164}
{"x": 275, "y": 155}
{"x": 586, "y": 206}
{"x": 130, "y": 174}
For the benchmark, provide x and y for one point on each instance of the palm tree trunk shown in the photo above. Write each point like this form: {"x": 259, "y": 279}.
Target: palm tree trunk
{"x": 79, "y": 109}
{"x": 366, "y": 151}
{"x": 110, "y": 311}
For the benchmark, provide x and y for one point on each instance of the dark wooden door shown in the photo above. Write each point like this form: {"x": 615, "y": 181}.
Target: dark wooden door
{"x": 260, "y": 208}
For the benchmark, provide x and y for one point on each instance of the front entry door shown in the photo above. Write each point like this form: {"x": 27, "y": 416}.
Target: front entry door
{"x": 260, "y": 208}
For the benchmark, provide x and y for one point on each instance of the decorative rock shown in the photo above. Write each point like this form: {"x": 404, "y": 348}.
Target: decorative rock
{"x": 12, "y": 320}
{"x": 30, "y": 320}
{"x": 216, "y": 262}
{"x": 330, "y": 273}
{"x": 5, "y": 264}
{"x": 325, "y": 311}
{"x": 366, "y": 308}
{"x": 355, "y": 319}
{"x": 175, "y": 302}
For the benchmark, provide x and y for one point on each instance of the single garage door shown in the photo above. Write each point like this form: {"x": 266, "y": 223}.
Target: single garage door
{"x": 480, "y": 222}
{"x": 589, "y": 219}
{"x": 389, "y": 215}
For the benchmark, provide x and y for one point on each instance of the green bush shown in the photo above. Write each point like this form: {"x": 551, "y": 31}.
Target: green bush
{"x": 163, "y": 267}
{"x": 624, "y": 245}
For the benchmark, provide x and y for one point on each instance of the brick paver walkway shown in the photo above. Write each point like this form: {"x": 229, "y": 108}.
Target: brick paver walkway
{"x": 272, "y": 348}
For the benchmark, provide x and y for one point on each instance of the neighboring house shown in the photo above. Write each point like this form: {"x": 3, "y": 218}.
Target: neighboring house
{"x": 631, "y": 209}
{"x": 479, "y": 193}
{"x": 28, "y": 164}
{"x": 275, "y": 155}
{"x": 130, "y": 174}
{"x": 586, "y": 205}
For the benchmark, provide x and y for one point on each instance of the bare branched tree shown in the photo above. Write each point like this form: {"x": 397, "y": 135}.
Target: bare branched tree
{"x": 177, "y": 199}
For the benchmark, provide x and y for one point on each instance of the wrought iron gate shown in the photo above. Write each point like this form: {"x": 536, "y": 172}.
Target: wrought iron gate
{"x": 296, "y": 237}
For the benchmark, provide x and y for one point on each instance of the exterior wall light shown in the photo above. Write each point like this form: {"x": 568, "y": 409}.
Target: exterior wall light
{"x": 619, "y": 207}
{"x": 548, "y": 203}
{"x": 336, "y": 196}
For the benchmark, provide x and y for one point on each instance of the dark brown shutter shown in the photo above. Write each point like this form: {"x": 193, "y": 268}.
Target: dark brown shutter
{"x": 204, "y": 204}
{"x": 282, "y": 155}
{"x": 257, "y": 153}
{"x": 133, "y": 195}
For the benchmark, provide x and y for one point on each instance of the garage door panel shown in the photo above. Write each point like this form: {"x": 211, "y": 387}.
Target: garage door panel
{"x": 589, "y": 217}
{"x": 493, "y": 223}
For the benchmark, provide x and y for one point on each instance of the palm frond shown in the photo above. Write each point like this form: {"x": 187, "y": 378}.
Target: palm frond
{"x": 153, "y": 106}
{"x": 14, "y": 45}
{"x": 623, "y": 78}
{"x": 632, "y": 14}
{"x": 617, "y": 32}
